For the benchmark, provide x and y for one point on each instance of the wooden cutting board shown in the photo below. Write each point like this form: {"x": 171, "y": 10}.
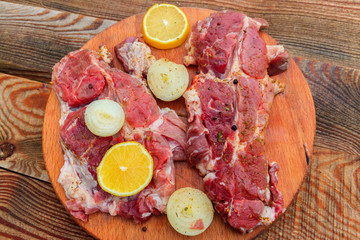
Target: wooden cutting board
{"x": 290, "y": 132}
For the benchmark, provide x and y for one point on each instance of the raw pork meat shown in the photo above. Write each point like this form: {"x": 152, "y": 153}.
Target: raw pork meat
{"x": 81, "y": 77}
{"x": 135, "y": 56}
{"x": 229, "y": 104}
{"x": 216, "y": 42}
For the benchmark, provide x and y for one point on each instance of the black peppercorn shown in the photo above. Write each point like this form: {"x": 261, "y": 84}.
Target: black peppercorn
{"x": 234, "y": 127}
{"x": 90, "y": 86}
{"x": 235, "y": 81}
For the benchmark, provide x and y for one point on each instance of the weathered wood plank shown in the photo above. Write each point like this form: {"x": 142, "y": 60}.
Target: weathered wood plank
{"x": 324, "y": 30}
{"x": 327, "y": 204}
{"x": 38, "y": 37}
{"x": 22, "y": 107}
{"x": 336, "y": 93}
{"x": 27, "y": 73}
{"x": 30, "y": 209}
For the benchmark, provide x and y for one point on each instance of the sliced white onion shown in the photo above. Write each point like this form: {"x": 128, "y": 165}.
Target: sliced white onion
{"x": 104, "y": 117}
{"x": 189, "y": 211}
{"x": 167, "y": 80}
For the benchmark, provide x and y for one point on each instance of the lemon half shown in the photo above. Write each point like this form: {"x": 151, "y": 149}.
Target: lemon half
{"x": 165, "y": 26}
{"x": 125, "y": 169}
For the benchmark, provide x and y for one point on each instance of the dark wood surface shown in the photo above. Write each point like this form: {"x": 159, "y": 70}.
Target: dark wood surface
{"x": 36, "y": 34}
{"x": 324, "y": 30}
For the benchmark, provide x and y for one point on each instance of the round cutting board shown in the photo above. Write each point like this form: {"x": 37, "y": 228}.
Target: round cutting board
{"x": 290, "y": 132}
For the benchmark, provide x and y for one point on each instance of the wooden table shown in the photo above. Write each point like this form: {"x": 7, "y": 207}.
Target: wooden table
{"x": 322, "y": 36}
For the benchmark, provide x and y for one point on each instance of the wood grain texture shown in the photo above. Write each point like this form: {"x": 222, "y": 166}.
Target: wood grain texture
{"x": 322, "y": 30}
{"x": 29, "y": 209}
{"x": 336, "y": 92}
{"x": 327, "y": 204}
{"x": 22, "y": 106}
{"x": 291, "y": 125}
{"x": 38, "y": 37}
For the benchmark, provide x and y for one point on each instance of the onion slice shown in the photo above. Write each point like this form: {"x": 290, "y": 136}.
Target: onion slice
{"x": 167, "y": 80}
{"x": 104, "y": 118}
{"x": 189, "y": 211}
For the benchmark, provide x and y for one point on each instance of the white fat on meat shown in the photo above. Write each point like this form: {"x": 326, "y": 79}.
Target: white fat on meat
{"x": 267, "y": 191}
{"x": 135, "y": 56}
{"x": 211, "y": 176}
{"x": 155, "y": 125}
{"x": 268, "y": 215}
{"x": 235, "y": 67}
{"x": 77, "y": 181}
{"x": 141, "y": 57}
{"x": 105, "y": 54}
{"x": 273, "y": 51}
{"x": 192, "y": 99}
{"x": 65, "y": 110}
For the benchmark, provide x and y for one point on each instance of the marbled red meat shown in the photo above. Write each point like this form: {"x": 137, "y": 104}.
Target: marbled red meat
{"x": 161, "y": 131}
{"x": 229, "y": 104}
{"x": 78, "y": 82}
{"x": 215, "y": 43}
{"x": 83, "y": 143}
{"x": 253, "y": 59}
{"x": 140, "y": 106}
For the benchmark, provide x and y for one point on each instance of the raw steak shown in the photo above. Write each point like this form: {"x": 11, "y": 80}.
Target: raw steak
{"x": 82, "y": 77}
{"x": 78, "y": 82}
{"x": 216, "y": 42}
{"x": 229, "y": 104}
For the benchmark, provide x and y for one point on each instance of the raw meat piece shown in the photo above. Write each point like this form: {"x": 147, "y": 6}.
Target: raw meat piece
{"x": 106, "y": 55}
{"x": 215, "y": 43}
{"x": 278, "y": 59}
{"x": 170, "y": 130}
{"x": 159, "y": 130}
{"x": 78, "y": 82}
{"x": 83, "y": 143}
{"x": 135, "y": 56}
{"x": 229, "y": 104}
{"x": 139, "y": 105}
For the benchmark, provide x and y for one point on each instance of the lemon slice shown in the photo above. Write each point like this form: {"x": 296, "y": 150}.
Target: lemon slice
{"x": 165, "y": 26}
{"x": 126, "y": 169}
